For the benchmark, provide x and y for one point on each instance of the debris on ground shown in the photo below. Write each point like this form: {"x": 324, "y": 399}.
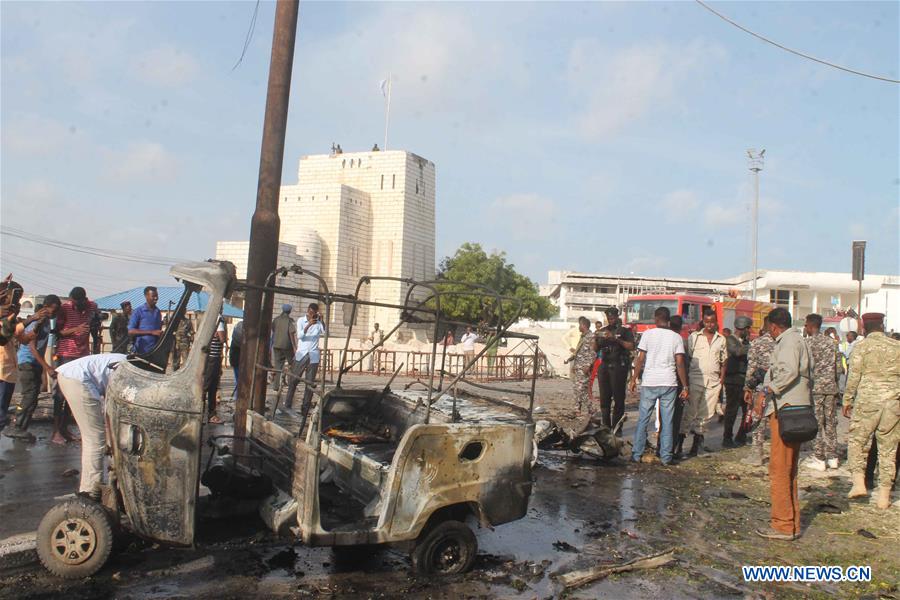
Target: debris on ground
{"x": 578, "y": 578}
{"x": 867, "y": 534}
{"x": 70, "y": 472}
{"x": 825, "y": 507}
{"x": 561, "y": 546}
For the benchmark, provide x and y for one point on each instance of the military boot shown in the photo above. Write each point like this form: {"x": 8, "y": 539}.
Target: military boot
{"x": 883, "y": 499}
{"x": 696, "y": 444}
{"x": 679, "y": 447}
{"x": 859, "y": 486}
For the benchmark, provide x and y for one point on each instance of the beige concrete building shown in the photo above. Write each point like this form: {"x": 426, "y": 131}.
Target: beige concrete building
{"x": 361, "y": 213}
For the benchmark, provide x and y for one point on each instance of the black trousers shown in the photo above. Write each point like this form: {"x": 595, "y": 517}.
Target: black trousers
{"x": 612, "y": 393}
{"x": 678, "y": 412}
{"x": 212, "y": 374}
{"x": 734, "y": 400}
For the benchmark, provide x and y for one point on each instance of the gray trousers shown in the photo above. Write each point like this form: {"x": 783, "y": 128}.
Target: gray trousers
{"x": 301, "y": 369}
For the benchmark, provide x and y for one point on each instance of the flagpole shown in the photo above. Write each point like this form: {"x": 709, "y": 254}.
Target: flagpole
{"x": 387, "y": 110}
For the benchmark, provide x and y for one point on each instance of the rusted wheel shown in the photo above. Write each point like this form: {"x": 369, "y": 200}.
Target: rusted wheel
{"x": 75, "y": 538}
{"x": 446, "y": 549}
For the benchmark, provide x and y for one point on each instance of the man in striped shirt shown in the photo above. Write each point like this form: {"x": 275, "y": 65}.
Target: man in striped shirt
{"x": 73, "y": 323}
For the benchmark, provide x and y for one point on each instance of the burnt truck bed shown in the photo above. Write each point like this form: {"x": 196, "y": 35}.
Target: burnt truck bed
{"x": 382, "y": 470}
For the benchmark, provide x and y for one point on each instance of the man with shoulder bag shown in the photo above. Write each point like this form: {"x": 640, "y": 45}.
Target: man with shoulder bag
{"x": 792, "y": 422}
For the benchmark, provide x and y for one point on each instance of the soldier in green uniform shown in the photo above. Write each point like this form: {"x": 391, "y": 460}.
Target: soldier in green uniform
{"x": 827, "y": 368}
{"x": 873, "y": 397}
{"x": 584, "y": 357}
{"x": 759, "y": 359}
{"x": 118, "y": 329}
{"x": 184, "y": 337}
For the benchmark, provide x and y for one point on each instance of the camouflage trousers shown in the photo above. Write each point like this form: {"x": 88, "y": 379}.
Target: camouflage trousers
{"x": 179, "y": 354}
{"x": 581, "y": 388}
{"x": 882, "y": 419}
{"x": 825, "y": 444}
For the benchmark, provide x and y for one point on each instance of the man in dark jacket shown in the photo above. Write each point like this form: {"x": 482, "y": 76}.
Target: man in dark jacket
{"x": 737, "y": 346}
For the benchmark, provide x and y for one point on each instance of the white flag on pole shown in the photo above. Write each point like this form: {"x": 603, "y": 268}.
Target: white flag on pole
{"x": 384, "y": 87}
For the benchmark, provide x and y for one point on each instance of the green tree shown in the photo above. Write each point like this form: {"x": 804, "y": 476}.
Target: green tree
{"x": 471, "y": 264}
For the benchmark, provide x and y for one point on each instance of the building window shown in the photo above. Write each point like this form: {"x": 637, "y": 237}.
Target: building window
{"x": 382, "y": 182}
{"x": 417, "y": 186}
{"x": 781, "y": 297}
{"x": 393, "y": 182}
{"x": 344, "y": 163}
{"x": 359, "y": 162}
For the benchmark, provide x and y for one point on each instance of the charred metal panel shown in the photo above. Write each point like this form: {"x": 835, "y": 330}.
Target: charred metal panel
{"x": 156, "y": 450}
{"x": 431, "y": 473}
{"x": 156, "y": 421}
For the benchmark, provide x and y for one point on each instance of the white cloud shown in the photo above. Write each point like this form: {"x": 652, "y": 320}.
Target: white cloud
{"x": 33, "y": 135}
{"x": 142, "y": 161}
{"x": 645, "y": 265}
{"x": 721, "y": 215}
{"x": 618, "y": 87}
{"x": 166, "y": 66}
{"x": 529, "y": 216}
{"x": 680, "y": 202}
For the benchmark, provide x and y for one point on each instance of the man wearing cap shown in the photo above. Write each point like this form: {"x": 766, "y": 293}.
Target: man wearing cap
{"x": 873, "y": 398}
{"x": 615, "y": 344}
{"x": 827, "y": 369}
{"x": 284, "y": 342}
{"x": 737, "y": 345}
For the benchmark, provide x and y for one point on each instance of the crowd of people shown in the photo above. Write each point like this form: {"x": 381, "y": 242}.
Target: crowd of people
{"x": 682, "y": 382}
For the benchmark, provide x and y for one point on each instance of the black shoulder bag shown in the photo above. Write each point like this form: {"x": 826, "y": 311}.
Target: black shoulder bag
{"x": 796, "y": 423}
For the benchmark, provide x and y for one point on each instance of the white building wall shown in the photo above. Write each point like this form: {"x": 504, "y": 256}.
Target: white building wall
{"x": 237, "y": 252}
{"x": 374, "y": 213}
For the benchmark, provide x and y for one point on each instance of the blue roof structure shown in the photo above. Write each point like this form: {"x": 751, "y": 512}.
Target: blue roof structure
{"x": 167, "y": 295}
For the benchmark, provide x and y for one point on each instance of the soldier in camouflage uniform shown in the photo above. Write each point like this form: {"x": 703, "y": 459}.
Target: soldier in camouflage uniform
{"x": 759, "y": 359}
{"x": 827, "y": 368}
{"x": 184, "y": 337}
{"x": 873, "y": 396}
{"x": 584, "y": 357}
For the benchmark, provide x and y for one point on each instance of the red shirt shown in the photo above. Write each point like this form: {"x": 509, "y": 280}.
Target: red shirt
{"x": 74, "y": 346}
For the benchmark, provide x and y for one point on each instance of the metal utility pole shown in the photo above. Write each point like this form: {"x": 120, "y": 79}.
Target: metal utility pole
{"x": 755, "y": 160}
{"x": 262, "y": 258}
{"x": 859, "y": 270}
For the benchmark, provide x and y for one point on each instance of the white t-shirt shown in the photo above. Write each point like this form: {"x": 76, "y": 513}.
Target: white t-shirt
{"x": 92, "y": 370}
{"x": 661, "y": 346}
{"x": 468, "y": 341}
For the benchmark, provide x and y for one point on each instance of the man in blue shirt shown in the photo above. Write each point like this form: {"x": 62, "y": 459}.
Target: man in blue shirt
{"x": 145, "y": 324}
{"x": 32, "y": 366}
{"x": 306, "y": 360}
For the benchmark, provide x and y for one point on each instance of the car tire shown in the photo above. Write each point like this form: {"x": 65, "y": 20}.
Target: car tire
{"x": 75, "y": 538}
{"x": 447, "y": 548}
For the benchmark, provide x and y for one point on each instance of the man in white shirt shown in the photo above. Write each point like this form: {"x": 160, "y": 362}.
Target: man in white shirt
{"x": 306, "y": 360}
{"x": 83, "y": 383}
{"x": 660, "y": 358}
{"x": 468, "y": 344}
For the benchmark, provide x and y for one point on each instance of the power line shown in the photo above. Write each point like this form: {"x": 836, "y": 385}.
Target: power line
{"x": 101, "y": 252}
{"x": 791, "y": 50}
{"x": 32, "y": 262}
{"x": 248, "y": 37}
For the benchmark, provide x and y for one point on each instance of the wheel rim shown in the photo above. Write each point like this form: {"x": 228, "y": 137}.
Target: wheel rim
{"x": 73, "y": 541}
{"x": 449, "y": 554}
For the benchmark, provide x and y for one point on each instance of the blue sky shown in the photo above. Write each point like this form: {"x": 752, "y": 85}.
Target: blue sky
{"x": 603, "y": 137}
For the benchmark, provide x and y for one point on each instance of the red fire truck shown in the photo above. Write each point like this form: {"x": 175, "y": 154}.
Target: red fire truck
{"x": 639, "y": 311}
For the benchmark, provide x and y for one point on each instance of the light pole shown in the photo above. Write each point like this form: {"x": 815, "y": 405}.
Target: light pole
{"x": 755, "y": 162}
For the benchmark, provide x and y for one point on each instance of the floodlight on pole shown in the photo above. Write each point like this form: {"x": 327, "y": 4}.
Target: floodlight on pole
{"x": 755, "y": 161}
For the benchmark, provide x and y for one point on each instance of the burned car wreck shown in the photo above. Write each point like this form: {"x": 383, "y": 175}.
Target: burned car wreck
{"x": 415, "y": 467}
